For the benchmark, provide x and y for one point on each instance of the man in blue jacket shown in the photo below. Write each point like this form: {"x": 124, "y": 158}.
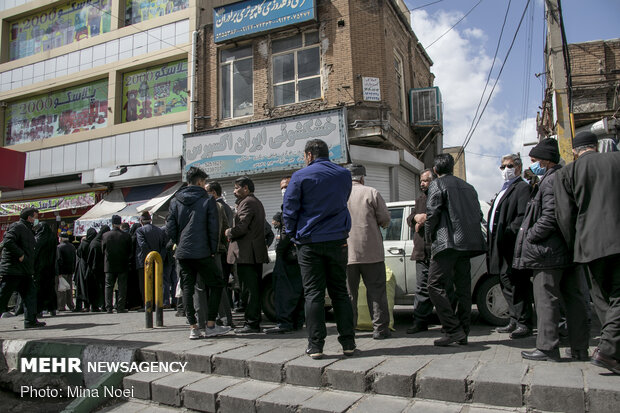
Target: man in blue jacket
{"x": 316, "y": 216}
{"x": 193, "y": 224}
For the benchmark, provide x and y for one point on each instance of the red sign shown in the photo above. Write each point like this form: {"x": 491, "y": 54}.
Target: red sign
{"x": 12, "y": 169}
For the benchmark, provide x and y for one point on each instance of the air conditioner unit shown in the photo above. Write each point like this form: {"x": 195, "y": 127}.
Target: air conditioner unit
{"x": 425, "y": 107}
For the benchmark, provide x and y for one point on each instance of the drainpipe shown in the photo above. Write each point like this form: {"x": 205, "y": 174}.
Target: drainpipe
{"x": 192, "y": 105}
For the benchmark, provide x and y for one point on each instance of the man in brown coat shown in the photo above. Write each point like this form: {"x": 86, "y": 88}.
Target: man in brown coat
{"x": 248, "y": 250}
{"x": 366, "y": 258}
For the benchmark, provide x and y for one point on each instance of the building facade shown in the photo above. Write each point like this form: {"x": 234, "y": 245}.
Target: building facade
{"x": 272, "y": 75}
{"x": 88, "y": 86}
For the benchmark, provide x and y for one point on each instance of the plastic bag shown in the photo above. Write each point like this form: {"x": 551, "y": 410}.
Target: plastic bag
{"x": 363, "y": 315}
{"x": 63, "y": 285}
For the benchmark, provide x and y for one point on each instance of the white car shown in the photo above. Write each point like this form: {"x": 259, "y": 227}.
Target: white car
{"x": 398, "y": 246}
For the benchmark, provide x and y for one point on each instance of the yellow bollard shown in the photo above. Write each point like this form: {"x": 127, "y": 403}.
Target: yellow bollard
{"x": 154, "y": 268}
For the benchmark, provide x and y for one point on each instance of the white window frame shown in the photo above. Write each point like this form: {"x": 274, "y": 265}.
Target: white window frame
{"x": 400, "y": 84}
{"x": 296, "y": 79}
{"x": 230, "y": 63}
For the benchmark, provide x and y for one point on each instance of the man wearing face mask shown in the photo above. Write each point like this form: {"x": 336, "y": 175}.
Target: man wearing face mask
{"x": 503, "y": 223}
{"x": 288, "y": 286}
{"x": 541, "y": 247}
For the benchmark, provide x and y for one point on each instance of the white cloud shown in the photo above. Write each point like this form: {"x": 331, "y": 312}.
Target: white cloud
{"x": 461, "y": 66}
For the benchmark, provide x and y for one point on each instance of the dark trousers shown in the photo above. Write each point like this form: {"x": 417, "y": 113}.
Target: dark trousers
{"x": 323, "y": 265}
{"x": 551, "y": 288}
{"x": 206, "y": 269}
{"x": 24, "y": 285}
{"x": 517, "y": 289}
{"x": 606, "y": 296}
{"x": 250, "y": 277}
{"x": 376, "y": 296}
{"x": 422, "y": 304}
{"x": 288, "y": 290}
{"x": 451, "y": 269}
{"x": 110, "y": 279}
{"x": 65, "y": 297}
{"x": 225, "y": 309}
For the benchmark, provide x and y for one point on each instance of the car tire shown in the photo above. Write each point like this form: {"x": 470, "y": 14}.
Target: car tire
{"x": 267, "y": 298}
{"x": 491, "y": 303}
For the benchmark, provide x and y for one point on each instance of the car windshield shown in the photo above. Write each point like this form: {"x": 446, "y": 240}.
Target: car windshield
{"x": 393, "y": 231}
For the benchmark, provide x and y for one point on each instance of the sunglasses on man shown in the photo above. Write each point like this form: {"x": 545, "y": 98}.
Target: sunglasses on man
{"x": 509, "y": 166}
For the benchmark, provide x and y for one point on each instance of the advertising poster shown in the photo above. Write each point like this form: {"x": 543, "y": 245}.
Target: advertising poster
{"x": 137, "y": 11}
{"x": 155, "y": 91}
{"x": 58, "y": 26}
{"x": 266, "y": 146}
{"x": 75, "y": 109}
{"x": 50, "y": 204}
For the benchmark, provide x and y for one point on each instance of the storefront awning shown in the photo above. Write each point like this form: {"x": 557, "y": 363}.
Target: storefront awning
{"x": 12, "y": 167}
{"x": 159, "y": 201}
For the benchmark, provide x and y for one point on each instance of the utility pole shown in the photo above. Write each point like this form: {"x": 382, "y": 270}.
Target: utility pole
{"x": 557, "y": 72}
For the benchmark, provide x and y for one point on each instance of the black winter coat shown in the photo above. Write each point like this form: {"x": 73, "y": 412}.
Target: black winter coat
{"x": 193, "y": 223}
{"x": 506, "y": 223}
{"x": 540, "y": 244}
{"x": 117, "y": 251}
{"x": 65, "y": 258}
{"x": 45, "y": 252}
{"x": 18, "y": 241}
{"x": 95, "y": 254}
{"x": 453, "y": 217}
{"x": 149, "y": 238}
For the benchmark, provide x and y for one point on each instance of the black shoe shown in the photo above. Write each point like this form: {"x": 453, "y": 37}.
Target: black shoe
{"x": 109, "y": 311}
{"x": 277, "y": 330}
{"x": 507, "y": 329}
{"x": 239, "y": 310}
{"x": 577, "y": 355}
{"x": 314, "y": 353}
{"x": 246, "y": 329}
{"x": 180, "y": 313}
{"x": 122, "y": 311}
{"x": 542, "y": 355}
{"x": 381, "y": 335}
{"x": 35, "y": 324}
{"x": 348, "y": 349}
{"x": 417, "y": 328}
{"x": 53, "y": 313}
{"x": 448, "y": 339}
{"x": 463, "y": 341}
{"x": 521, "y": 332}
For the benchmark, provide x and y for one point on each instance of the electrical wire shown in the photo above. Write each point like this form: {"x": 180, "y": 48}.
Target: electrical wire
{"x": 453, "y": 26}
{"x": 425, "y": 5}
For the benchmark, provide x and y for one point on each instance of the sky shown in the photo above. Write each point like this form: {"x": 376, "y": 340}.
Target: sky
{"x": 462, "y": 60}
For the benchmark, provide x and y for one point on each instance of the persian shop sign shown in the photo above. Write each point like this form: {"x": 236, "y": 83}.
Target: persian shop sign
{"x": 50, "y": 204}
{"x": 255, "y": 16}
{"x": 274, "y": 145}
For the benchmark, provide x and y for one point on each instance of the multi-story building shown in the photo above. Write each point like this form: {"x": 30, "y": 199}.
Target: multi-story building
{"x": 88, "y": 86}
{"x": 274, "y": 74}
{"x": 101, "y": 96}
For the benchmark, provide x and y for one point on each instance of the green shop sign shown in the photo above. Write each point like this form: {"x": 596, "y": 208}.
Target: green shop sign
{"x": 71, "y": 110}
{"x": 155, "y": 91}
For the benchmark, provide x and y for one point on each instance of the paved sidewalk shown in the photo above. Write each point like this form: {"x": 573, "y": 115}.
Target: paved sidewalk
{"x": 488, "y": 371}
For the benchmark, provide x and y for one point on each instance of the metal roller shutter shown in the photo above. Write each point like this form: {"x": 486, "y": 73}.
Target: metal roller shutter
{"x": 378, "y": 176}
{"x": 408, "y": 184}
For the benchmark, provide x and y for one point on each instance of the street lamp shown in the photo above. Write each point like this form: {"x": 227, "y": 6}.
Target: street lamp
{"x": 121, "y": 169}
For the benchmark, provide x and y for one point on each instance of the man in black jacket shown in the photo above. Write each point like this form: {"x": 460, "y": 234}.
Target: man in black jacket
{"x": 117, "y": 253}
{"x": 65, "y": 263}
{"x": 541, "y": 248}
{"x": 453, "y": 226}
{"x": 587, "y": 200}
{"x": 149, "y": 238}
{"x": 504, "y": 220}
{"x": 17, "y": 266}
{"x": 193, "y": 224}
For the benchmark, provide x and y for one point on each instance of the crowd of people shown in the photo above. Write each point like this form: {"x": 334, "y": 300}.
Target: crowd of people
{"x": 552, "y": 242}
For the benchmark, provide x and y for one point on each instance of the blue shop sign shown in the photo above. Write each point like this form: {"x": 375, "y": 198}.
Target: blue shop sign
{"x": 255, "y": 16}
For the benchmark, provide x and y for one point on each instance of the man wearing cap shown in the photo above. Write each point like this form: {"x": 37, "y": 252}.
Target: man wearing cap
{"x": 588, "y": 214}
{"x": 149, "y": 238}
{"x": 505, "y": 217}
{"x": 65, "y": 265}
{"x": 366, "y": 257}
{"x": 17, "y": 266}
{"x": 540, "y": 247}
{"x": 117, "y": 253}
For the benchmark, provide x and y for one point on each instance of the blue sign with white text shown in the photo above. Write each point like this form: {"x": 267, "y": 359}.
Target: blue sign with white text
{"x": 255, "y": 16}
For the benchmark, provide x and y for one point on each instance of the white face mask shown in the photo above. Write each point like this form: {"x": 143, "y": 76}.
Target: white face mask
{"x": 283, "y": 191}
{"x": 508, "y": 174}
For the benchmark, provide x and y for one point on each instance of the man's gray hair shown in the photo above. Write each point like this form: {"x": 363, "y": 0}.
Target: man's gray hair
{"x": 514, "y": 157}
{"x": 579, "y": 149}
{"x": 357, "y": 178}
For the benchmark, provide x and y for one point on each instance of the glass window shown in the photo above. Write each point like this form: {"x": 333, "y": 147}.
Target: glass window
{"x": 155, "y": 91}
{"x": 237, "y": 82}
{"x": 393, "y": 231}
{"x": 71, "y": 110}
{"x": 400, "y": 86}
{"x": 58, "y": 26}
{"x": 296, "y": 69}
{"x": 137, "y": 11}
